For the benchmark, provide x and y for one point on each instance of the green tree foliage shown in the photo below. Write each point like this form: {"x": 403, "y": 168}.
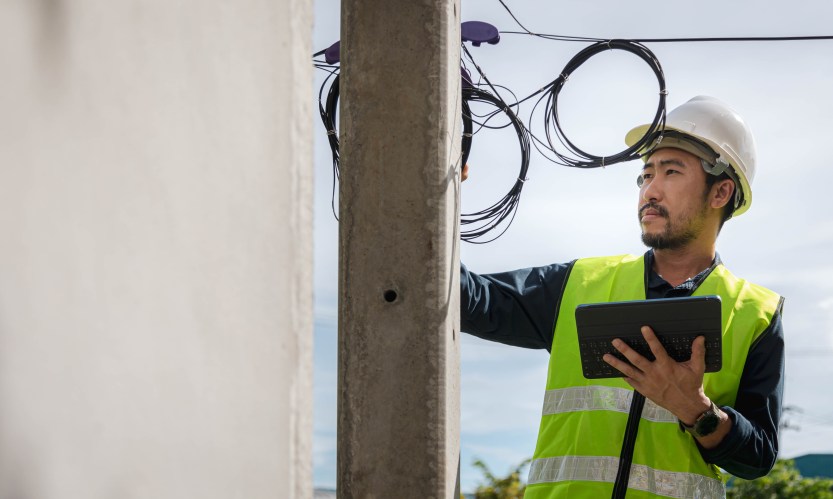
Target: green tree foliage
{"x": 508, "y": 487}
{"x": 783, "y": 482}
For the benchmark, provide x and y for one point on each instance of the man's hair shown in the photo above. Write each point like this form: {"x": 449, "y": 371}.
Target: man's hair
{"x": 729, "y": 209}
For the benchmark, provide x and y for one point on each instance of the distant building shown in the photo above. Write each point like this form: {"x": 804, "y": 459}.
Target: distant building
{"x": 815, "y": 465}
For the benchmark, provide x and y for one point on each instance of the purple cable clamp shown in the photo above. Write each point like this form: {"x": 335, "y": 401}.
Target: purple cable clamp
{"x": 478, "y": 32}
{"x": 333, "y": 53}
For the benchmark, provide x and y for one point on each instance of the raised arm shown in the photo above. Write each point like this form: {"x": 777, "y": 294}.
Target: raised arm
{"x": 515, "y": 308}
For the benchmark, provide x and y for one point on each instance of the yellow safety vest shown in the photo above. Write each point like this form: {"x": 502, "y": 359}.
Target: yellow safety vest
{"x": 583, "y": 421}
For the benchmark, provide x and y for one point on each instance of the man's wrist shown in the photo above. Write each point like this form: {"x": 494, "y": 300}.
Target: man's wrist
{"x": 706, "y": 423}
{"x": 696, "y": 410}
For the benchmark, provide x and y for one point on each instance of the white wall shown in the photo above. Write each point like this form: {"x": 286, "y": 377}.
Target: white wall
{"x": 155, "y": 249}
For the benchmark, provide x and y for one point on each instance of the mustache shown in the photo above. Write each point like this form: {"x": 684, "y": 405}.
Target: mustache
{"x": 659, "y": 209}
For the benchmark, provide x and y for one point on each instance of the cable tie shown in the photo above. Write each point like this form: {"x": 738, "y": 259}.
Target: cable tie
{"x": 664, "y": 91}
{"x": 603, "y": 161}
{"x": 566, "y": 77}
{"x": 522, "y": 179}
{"x": 608, "y": 44}
{"x": 331, "y": 132}
{"x": 467, "y": 135}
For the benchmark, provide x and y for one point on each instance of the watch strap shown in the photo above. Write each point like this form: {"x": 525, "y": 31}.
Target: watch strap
{"x": 705, "y": 424}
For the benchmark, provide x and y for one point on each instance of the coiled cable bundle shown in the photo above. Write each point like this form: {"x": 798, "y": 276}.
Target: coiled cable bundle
{"x": 328, "y": 109}
{"x": 499, "y": 216}
{"x": 473, "y": 226}
{"x": 557, "y": 139}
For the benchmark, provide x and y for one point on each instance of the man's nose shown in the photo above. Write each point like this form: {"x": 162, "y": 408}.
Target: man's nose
{"x": 651, "y": 190}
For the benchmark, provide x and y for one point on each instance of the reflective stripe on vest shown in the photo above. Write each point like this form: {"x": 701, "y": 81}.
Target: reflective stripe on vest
{"x": 603, "y": 469}
{"x": 601, "y": 398}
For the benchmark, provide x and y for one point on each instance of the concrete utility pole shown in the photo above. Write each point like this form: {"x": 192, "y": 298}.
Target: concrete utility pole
{"x": 398, "y": 422}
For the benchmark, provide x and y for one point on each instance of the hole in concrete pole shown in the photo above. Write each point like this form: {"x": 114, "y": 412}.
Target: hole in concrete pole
{"x": 390, "y": 296}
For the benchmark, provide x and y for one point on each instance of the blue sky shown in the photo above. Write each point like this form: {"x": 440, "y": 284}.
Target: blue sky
{"x": 781, "y": 88}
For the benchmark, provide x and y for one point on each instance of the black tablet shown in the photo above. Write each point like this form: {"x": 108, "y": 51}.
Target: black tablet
{"x": 676, "y": 322}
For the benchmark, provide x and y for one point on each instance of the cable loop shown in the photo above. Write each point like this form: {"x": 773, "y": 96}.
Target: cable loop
{"x": 556, "y": 140}
{"x": 497, "y": 217}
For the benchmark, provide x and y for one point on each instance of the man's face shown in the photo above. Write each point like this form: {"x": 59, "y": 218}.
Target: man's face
{"x": 672, "y": 199}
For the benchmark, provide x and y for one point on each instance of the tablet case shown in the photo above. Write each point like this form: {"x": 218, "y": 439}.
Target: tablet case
{"x": 676, "y": 322}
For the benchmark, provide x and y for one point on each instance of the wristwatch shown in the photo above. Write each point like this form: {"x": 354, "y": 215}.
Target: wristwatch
{"x": 705, "y": 424}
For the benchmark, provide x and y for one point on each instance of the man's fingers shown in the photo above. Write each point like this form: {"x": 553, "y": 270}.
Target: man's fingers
{"x": 653, "y": 343}
{"x": 630, "y": 354}
{"x": 639, "y": 365}
{"x": 621, "y": 366}
{"x": 698, "y": 354}
{"x": 464, "y": 174}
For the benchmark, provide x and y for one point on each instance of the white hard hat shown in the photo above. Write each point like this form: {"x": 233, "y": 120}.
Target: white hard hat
{"x": 713, "y": 122}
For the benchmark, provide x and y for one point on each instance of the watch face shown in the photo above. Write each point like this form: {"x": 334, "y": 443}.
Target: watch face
{"x": 707, "y": 424}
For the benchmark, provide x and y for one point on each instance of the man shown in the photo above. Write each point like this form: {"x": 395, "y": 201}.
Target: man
{"x": 696, "y": 176}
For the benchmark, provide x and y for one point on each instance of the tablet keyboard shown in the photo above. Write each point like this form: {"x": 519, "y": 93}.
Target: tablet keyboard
{"x": 677, "y": 346}
{"x": 675, "y": 321}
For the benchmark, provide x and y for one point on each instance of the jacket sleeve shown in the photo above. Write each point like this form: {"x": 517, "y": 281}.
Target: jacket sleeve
{"x": 750, "y": 449}
{"x": 515, "y": 308}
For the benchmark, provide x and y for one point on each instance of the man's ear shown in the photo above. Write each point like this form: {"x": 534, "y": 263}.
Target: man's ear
{"x": 722, "y": 193}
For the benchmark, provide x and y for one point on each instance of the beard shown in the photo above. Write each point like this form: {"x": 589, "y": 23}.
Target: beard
{"x": 678, "y": 232}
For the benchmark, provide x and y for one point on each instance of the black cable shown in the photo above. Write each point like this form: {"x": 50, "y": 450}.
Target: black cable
{"x": 468, "y": 129}
{"x": 555, "y": 137}
{"x": 481, "y": 222}
{"x": 499, "y": 216}
{"x": 503, "y": 211}
{"x": 567, "y": 38}
{"x": 737, "y": 39}
{"x": 578, "y": 158}
{"x": 570, "y": 38}
{"x": 329, "y": 113}
{"x": 554, "y": 37}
